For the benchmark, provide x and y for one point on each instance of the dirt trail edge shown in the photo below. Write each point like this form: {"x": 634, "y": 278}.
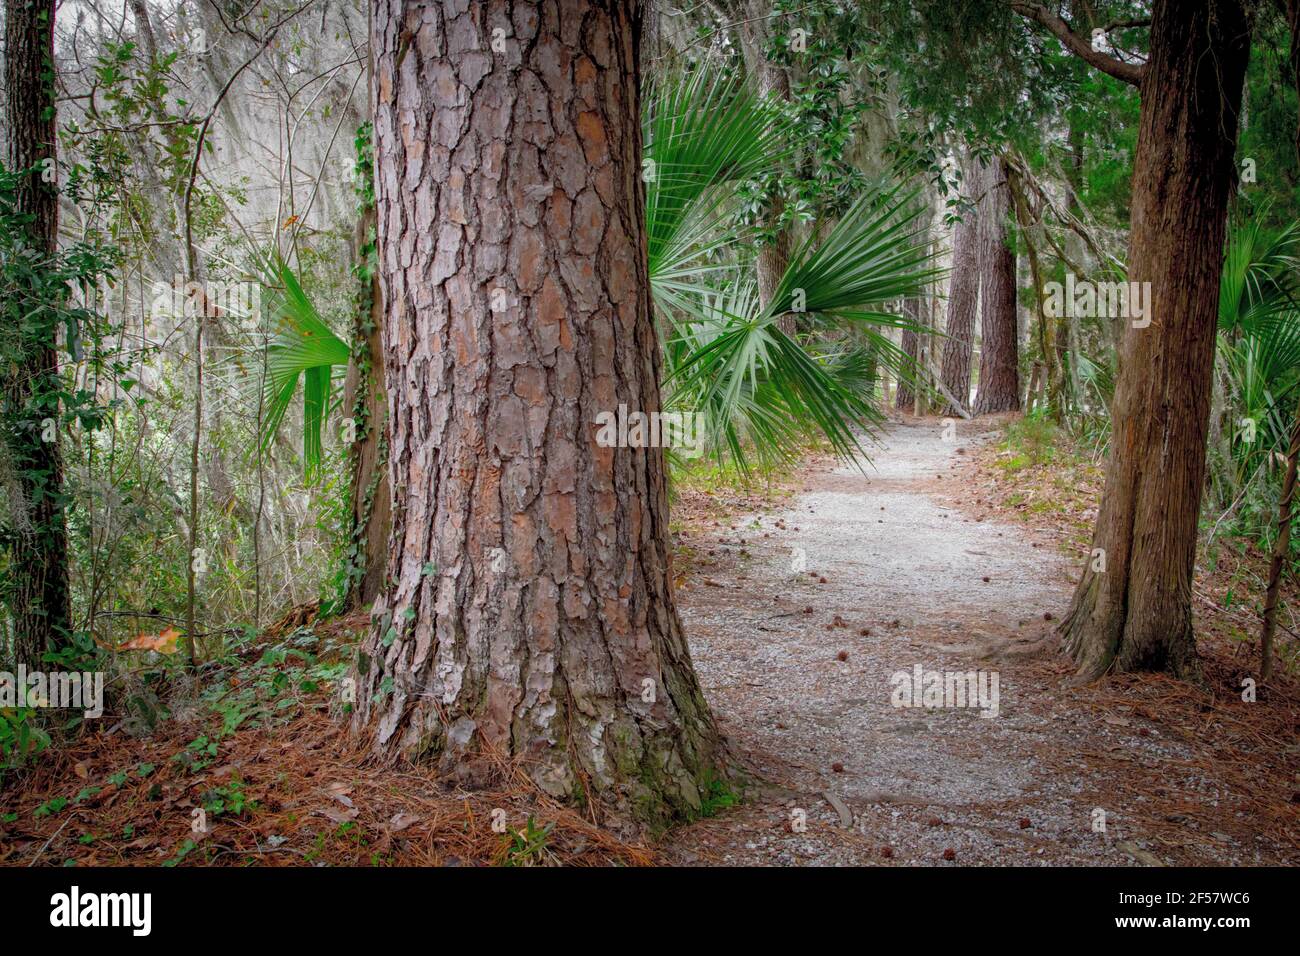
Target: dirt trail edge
{"x": 871, "y": 587}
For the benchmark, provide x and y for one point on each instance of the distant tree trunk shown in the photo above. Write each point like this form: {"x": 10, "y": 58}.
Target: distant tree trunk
{"x": 963, "y": 302}
{"x": 37, "y": 537}
{"x": 906, "y": 395}
{"x": 1051, "y": 379}
{"x": 772, "y": 262}
{"x": 1067, "y": 329}
{"x": 999, "y": 384}
{"x": 1293, "y": 59}
{"x": 1137, "y": 613}
{"x": 773, "y": 258}
{"x": 529, "y": 612}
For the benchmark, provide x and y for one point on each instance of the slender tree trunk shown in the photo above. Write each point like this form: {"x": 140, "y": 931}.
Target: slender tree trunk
{"x": 772, "y": 258}
{"x": 1051, "y": 374}
{"x": 1293, "y": 59}
{"x": 529, "y": 612}
{"x": 364, "y": 397}
{"x": 1136, "y": 614}
{"x": 1281, "y": 550}
{"x": 1067, "y": 327}
{"x": 999, "y": 384}
{"x": 963, "y": 302}
{"x": 363, "y": 390}
{"x": 38, "y": 594}
{"x": 905, "y": 397}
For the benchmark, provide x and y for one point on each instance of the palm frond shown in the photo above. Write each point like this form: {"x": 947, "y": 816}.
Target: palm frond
{"x": 705, "y": 132}
{"x": 761, "y": 388}
{"x": 1259, "y": 275}
{"x": 303, "y": 348}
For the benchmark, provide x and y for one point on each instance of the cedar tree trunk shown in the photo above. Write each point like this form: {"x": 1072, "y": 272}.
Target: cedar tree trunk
{"x": 1137, "y": 613}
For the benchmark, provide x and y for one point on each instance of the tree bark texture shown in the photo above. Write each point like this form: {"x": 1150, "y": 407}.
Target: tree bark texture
{"x": 529, "y": 612}
{"x": 35, "y": 525}
{"x": 1137, "y": 613}
{"x": 773, "y": 258}
{"x": 999, "y": 384}
{"x": 963, "y": 303}
{"x": 910, "y": 342}
{"x": 364, "y": 396}
{"x": 1281, "y": 551}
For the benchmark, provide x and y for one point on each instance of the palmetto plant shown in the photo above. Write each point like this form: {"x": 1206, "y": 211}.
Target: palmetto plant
{"x": 764, "y": 393}
{"x": 303, "y": 348}
{"x": 1259, "y": 350}
{"x": 1259, "y": 341}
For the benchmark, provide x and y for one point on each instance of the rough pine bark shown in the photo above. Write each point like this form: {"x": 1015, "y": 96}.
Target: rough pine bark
{"x": 1136, "y": 614}
{"x": 529, "y": 612}
{"x": 963, "y": 302}
{"x": 35, "y": 526}
{"x": 999, "y": 384}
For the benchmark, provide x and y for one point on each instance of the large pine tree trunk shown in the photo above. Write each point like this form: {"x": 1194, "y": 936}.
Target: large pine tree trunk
{"x": 529, "y": 611}
{"x": 36, "y": 529}
{"x": 963, "y": 302}
{"x": 999, "y": 384}
{"x": 1137, "y": 613}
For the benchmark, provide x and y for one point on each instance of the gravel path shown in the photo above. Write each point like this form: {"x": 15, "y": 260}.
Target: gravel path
{"x": 797, "y": 664}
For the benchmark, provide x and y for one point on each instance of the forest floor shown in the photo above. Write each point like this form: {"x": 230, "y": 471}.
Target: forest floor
{"x": 951, "y": 555}
{"x": 934, "y": 557}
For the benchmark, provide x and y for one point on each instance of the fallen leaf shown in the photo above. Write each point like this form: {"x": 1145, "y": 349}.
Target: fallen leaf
{"x": 339, "y": 816}
{"x": 163, "y": 643}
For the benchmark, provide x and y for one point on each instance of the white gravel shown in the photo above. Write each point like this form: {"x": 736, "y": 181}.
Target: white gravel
{"x": 919, "y": 781}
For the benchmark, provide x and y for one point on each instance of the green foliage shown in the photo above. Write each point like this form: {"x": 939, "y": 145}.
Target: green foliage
{"x": 763, "y": 393}
{"x": 1267, "y": 137}
{"x": 21, "y": 737}
{"x": 1031, "y": 440}
{"x": 185, "y": 849}
{"x": 38, "y": 400}
{"x": 526, "y": 847}
{"x": 229, "y": 798}
{"x": 198, "y": 754}
{"x": 832, "y": 86}
{"x": 718, "y": 796}
{"x": 304, "y": 349}
{"x": 1258, "y": 366}
{"x": 705, "y": 135}
{"x": 51, "y": 807}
